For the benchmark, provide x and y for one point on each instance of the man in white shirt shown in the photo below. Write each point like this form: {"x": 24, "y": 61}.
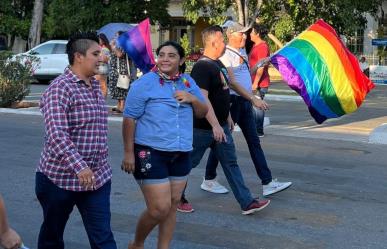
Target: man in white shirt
{"x": 364, "y": 66}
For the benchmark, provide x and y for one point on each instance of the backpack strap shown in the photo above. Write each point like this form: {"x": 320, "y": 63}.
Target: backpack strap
{"x": 243, "y": 58}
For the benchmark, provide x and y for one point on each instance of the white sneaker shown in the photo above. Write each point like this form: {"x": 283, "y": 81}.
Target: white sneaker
{"x": 213, "y": 186}
{"x": 275, "y": 186}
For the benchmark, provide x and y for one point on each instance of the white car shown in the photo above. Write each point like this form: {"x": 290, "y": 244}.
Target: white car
{"x": 53, "y": 59}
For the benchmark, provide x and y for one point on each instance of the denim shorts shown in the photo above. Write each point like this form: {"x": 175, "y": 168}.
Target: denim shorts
{"x": 155, "y": 166}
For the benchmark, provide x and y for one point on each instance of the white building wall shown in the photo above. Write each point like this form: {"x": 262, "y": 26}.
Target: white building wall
{"x": 370, "y": 33}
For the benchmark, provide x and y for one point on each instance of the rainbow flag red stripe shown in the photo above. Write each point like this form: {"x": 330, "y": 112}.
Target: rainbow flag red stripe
{"x": 318, "y": 66}
{"x": 137, "y": 44}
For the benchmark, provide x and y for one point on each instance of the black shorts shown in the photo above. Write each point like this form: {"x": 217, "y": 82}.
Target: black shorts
{"x": 155, "y": 166}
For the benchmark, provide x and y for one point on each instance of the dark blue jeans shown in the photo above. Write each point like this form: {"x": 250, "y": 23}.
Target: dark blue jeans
{"x": 242, "y": 114}
{"x": 259, "y": 115}
{"x": 57, "y": 204}
{"x": 204, "y": 139}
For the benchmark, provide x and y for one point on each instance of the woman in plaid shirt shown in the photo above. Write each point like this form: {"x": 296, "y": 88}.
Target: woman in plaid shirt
{"x": 73, "y": 168}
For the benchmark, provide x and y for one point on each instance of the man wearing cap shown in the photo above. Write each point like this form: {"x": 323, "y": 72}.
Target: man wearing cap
{"x": 236, "y": 62}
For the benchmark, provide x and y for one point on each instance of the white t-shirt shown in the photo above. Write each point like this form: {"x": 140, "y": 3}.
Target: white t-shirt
{"x": 239, "y": 67}
{"x": 363, "y": 65}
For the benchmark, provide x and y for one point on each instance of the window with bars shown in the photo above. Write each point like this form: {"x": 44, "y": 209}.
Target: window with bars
{"x": 356, "y": 42}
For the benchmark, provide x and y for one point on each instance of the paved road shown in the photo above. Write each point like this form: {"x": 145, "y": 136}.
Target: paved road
{"x": 292, "y": 115}
{"x": 338, "y": 198}
{"x": 38, "y": 89}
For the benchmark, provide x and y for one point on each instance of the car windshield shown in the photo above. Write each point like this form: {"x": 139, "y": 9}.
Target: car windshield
{"x": 59, "y": 49}
{"x": 44, "y": 49}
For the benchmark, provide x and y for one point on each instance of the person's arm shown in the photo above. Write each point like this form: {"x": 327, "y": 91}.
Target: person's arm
{"x": 194, "y": 96}
{"x": 230, "y": 122}
{"x": 8, "y": 237}
{"x": 128, "y": 129}
{"x": 135, "y": 105}
{"x": 259, "y": 103}
{"x": 259, "y": 55}
{"x": 258, "y": 76}
{"x": 200, "y": 108}
{"x": 217, "y": 129}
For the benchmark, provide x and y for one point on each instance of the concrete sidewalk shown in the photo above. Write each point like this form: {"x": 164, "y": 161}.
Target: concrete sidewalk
{"x": 356, "y": 127}
{"x": 367, "y": 124}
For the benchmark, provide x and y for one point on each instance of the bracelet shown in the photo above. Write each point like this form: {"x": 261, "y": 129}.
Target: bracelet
{"x": 251, "y": 98}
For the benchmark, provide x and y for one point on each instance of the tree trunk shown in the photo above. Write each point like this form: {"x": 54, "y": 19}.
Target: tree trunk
{"x": 241, "y": 18}
{"x": 246, "y": 12}
{"x": 275, "y": 40}
{"x": 36, "y": 24}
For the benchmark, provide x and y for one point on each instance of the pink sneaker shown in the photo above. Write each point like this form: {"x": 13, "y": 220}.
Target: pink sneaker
{"x": 184, "y": 206}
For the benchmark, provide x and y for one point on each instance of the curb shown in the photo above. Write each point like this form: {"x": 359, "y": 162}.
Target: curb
{"x": 35, "y": 112}
{"x": 275, "y": 97}
{"x": 266, "y": 122}
{"x": 379, "y": 135}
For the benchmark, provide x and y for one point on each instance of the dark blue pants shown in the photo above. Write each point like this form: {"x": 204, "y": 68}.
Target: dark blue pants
{"x": 259, "y": 115}
{"x": 242, "y": 114}
{"x": 225, "y": 151}
{"x": 57, "y": 204}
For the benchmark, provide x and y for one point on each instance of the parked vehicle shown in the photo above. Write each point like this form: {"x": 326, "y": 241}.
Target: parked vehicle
{"x": 53, "y": 59}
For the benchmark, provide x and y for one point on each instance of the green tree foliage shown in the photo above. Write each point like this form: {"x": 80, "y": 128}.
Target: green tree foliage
{"x": 63, "y": 17}
{"x": 284, "y": 28}
{"x": 184, "y": 42}
{"x": 15, "y": 17}
{"x": 345, "y": 15}
{"x": 67, "y": 16}
{"x": 212, "y": 9}
{"x": 290, "y": 17}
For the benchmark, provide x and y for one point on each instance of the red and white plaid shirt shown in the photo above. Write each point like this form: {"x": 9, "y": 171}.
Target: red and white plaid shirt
{"x": 75, "y": 118}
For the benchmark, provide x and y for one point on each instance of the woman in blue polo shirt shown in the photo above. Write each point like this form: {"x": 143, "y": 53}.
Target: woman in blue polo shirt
{"x": 157, "y": 132}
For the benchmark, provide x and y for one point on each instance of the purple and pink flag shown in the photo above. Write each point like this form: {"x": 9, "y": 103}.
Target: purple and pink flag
{"x": 137, "y": 45}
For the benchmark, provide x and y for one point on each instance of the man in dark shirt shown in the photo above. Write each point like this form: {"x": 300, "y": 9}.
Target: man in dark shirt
{"x": 214, "y": 131}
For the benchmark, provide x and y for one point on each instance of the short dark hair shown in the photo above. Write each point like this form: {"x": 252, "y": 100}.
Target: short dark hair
{"x": 105, "y": 40}
{"x": 260, "y": 29}
{"x": 210, "y": 31}
{"x": 180, "y": 51}
{"x": 80, "y": 42}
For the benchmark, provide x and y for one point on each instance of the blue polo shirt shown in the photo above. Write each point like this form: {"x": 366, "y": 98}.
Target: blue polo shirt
{"x": 161, "y": 122}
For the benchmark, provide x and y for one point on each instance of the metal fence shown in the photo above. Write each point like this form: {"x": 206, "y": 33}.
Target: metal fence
{"x": 373, "y": 59}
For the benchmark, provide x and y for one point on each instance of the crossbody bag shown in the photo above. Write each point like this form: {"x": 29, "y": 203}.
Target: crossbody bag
{"x": 123, "y": 80}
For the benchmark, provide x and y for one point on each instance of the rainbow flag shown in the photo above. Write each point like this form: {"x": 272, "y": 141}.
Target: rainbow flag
{"x": 137, "y": 44}
{"x": 318, "y": 66}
